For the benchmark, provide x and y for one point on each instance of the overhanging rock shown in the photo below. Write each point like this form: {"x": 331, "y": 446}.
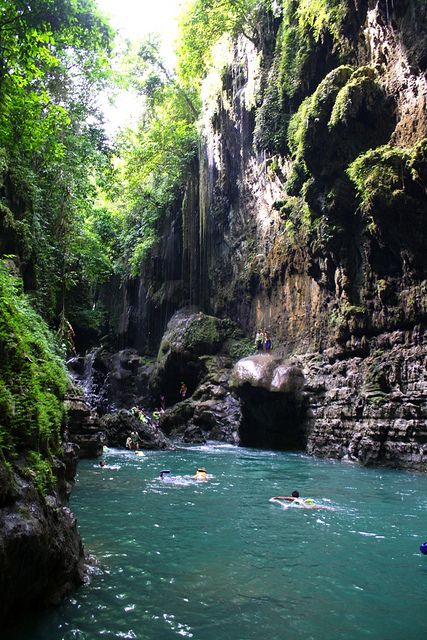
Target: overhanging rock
{"x": 272, "y": 402}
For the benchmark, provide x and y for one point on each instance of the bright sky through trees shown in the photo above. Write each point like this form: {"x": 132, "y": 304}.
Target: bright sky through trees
{"x": 134, "y": 19}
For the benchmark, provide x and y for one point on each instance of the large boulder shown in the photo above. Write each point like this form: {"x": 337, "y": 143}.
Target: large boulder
{"x": 118, "y": 426}
{"x": 190, "y": 336}
{"x": 41, "y": 554}
{"x": 268, "y": 372}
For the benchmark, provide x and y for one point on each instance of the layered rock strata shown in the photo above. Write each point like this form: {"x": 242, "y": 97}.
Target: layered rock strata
{"x": 372, "y": 409}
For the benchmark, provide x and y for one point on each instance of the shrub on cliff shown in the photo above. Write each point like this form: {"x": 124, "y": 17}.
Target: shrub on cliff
{"x": 33, "y": 380}
{"x": 307, "y": 25}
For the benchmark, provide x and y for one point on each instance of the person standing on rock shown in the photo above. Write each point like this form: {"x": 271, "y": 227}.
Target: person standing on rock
{"x": 267, "y": 341}
{"x": 183, "y": 390}
{"x": 259, "y": 341}
{"x": 135, "y": 440}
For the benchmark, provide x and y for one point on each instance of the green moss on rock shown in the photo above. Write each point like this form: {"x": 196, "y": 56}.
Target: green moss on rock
{"x": 348, "y": 113}
{"x": 33, "y": 378}
{"x": 204, "y": 334}
{"x": 378, "y": 176}
{"x": 307, "y": 24}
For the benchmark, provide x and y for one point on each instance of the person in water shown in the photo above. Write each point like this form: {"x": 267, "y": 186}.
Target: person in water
{"x": 201, "y": 474}
{"x": 292, "y": 498}
{"x": 307, "y": 503}
{"x": 164, "y": 474}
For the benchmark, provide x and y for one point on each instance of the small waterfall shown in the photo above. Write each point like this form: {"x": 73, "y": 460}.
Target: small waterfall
{"x": 87, "y": 379}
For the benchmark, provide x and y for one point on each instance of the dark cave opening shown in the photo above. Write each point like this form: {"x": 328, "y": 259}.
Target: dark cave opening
{"x": 272, "y": 420}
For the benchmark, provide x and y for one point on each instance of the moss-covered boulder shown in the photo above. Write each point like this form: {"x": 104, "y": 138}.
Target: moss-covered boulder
{"x": 390, "y": 184}
{"x": 190, "y": 335}
{"x": 348, "y": 113}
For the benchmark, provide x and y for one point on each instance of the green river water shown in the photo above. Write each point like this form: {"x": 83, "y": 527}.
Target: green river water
{"x": 219, "y": 561}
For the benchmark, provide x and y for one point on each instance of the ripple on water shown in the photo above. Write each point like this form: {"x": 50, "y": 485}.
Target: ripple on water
{"x": 218, "y": 561}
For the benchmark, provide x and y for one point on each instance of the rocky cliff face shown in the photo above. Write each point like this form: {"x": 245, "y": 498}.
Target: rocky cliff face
{"x": 308, "y": 217}
{"x": 41, "y": 554}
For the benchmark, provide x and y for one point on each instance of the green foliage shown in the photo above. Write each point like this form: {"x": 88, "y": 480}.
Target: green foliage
{"x": 39, "y": 470}
{"x": 362, "y": 88}
{"x": 204, "y": 332}
{"x": 272, "y": 118}
{"x": 32, "y": 376}
{"x": 314, "y": 113}
{"x": 378, "y": 176}
{"x": 305, "y": 24}
{"x": 241, "y": 348}
{"x": 155, "y": 159}
{"x": 202, "y": 24}
{"x": 297, "y": 221}
{"x": 348, "y": 113}
{"x": 53, "y": 58}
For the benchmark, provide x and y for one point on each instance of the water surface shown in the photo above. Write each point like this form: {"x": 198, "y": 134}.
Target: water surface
{"x": 218, "y": 561}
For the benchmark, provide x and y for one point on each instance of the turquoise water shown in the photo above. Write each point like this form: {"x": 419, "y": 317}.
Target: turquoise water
{"x": 218, "y": 561}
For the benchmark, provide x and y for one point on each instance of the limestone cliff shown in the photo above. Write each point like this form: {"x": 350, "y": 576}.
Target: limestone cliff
{"x": 307, "y": 216}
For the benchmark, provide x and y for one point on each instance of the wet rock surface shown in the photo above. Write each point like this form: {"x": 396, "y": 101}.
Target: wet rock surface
{"x": 190, "y": 336}
{"x": 273, "y": 408}
{"x": 41, "y": 555}
{"x": 112, "y": 380}
{"x": 196, "y": 350}
{"x": 84, "y": 429}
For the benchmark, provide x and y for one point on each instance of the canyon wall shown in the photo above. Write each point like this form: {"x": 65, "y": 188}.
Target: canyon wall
{"x": 307, "y": 216}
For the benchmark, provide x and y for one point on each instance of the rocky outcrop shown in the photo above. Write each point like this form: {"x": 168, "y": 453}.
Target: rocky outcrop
{"x": 119, "y": 426}
{"x": 84, "y": 429}
{"x": 112, "y": 380}
{"x": 41, "y": 555}
{"x": 212, "y": 413}
{"x": 371, "y": 409}
{"x": 198, "y": 349}
{"x": 306, "y": 215}
{"x": 273, "y": 408}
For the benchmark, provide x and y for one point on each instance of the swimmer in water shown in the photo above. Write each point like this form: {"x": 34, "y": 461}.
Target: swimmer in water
{"x": 307, "y": 503}
{"x": 294, "y": 497}
{"x": 165, "y": 474}
{"x": 201, "y": 474}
